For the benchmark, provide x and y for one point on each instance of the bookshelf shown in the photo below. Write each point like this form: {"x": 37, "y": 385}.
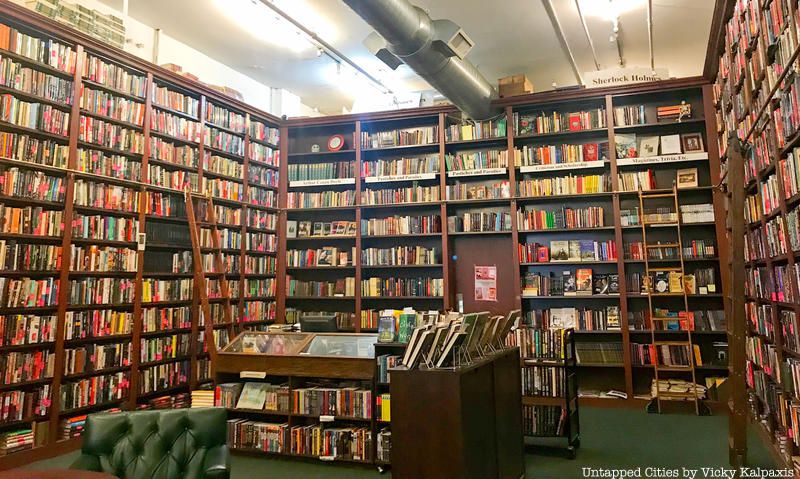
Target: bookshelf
{"x": 511, "y": 175}
{"x": 117, "y": 142}
{"x": 754, "y": 83}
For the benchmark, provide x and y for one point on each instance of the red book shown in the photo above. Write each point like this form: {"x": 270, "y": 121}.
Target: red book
{"x": 543, "y": 254}
{"x": 590, "y": 152}
{"x": 575, "y": 121}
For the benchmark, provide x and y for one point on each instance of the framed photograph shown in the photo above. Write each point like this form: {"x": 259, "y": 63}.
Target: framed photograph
{"x": 671, "y": 145}
{"x": 692, "y": 143}
{"x": 648, "y": 146}
{"x": 687, "y": 178}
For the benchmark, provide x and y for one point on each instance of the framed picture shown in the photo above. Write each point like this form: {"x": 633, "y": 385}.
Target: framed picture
{"x": 671, "y": 145}
{"x": 692, "y": 143}
{"x": 648, "y": 146}
{"x": 687, "y": 178}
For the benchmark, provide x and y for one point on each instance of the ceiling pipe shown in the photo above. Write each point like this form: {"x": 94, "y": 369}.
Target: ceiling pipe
{"x": 434, "y": 49}
{"x": 548, "y": 6}
{"x": 616, "y": 38}
{"x": 650, "y": 32}
{"x": 330, "y": 50}
{"x": 586, "y": 32}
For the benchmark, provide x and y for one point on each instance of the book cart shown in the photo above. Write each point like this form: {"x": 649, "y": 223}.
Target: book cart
{"x": 549, "y": 388}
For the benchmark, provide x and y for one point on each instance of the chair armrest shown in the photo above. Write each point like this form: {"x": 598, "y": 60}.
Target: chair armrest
{"x": 218, "y": 463}
{"x": 87, "y": 462}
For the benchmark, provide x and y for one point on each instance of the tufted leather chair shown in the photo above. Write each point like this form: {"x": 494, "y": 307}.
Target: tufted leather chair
{"x": 166, "y": 444}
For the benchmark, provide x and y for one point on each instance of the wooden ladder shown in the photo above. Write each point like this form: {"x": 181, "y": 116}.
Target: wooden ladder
{"x": 201, "y": 277}
{"x": 657, "y": 323}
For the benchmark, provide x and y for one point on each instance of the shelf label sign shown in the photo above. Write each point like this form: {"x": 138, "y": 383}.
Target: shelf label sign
{"x": 577, "y": 165}
{"x": 477, "y": 172}
{"x": 623, "y": 76}
{"x": 643, "y": 160}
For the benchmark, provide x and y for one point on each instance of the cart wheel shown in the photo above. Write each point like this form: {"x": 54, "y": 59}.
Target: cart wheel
{"x": 577, "y": 443}
{"x": 571, "y": 452}
{"x": 382, "y": 469}
{"x": 704, "y": 409}
{"x": 652, "y": 407}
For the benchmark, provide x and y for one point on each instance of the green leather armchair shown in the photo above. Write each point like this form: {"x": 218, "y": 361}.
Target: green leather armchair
{"x": 164, "y": 444}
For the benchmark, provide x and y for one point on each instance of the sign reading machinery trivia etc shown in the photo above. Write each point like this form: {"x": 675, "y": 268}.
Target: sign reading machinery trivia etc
{"x": 623, "y": 76}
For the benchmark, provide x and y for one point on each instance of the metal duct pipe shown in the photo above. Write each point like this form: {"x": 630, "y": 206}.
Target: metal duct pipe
{"x": 434, "y": 49}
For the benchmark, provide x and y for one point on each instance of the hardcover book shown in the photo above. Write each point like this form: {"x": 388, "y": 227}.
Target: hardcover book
{"x": 590, "y": 152}
{"x": 587, "y": 250}
{"x": 613, "y": 283}
{"x": 559, "y": 250}
{"x": 291, "y": 229}
{"x": 304, "y": 229}
{"x": 612, "y": 317}
{"x": 574, "y": 250}
{"x": 675, "y": 282}
{"x": 626, "y": 146}
{"x": 570, "y": 288}
{"x": 583, "y": 281}
{"x": 601, "y": 283}
{"x": 542, "y": 254}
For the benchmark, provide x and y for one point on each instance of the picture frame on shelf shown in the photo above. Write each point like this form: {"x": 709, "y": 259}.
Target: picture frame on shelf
{"x": 686, "y": 178}
{"x": 692, "y": 143}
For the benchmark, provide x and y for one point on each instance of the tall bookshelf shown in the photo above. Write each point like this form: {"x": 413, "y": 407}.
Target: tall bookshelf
{"x": 136, "y": 137}
{"x": 495, "y": 185}
{"x": 754, "y": 90}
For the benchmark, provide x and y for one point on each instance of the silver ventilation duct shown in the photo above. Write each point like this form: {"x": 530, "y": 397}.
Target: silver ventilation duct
{"x": 434, "y": 49}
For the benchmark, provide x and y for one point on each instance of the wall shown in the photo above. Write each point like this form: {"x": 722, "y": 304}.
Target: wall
{"x": 141, "y": 39}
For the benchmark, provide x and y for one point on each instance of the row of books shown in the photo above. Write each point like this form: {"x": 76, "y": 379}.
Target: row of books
{"x": 530, "y": 155}
{"x": 95, "y": 357}
{"x": 261, "y": 132}
{"x": 94, "y": 390}
{"x": 225, "y": 118}
{"x": 110, "y": 135}
{"x": 224, "y": 141}
{"x": 165, "y": 319}
{"x": 344, "y": 287}
{"x": 562, "y": 218}
{"x": 20, "y": 367}
{"x": 321, "y": 171}
{"x": 567, "y": 250}
{"x": 101, "y": 259}
{"x": 262, "y": 176}
{"x": 565, "y": 185}
{"x": 789, "y": 328}
{"x": 463, "y": 191}
{"x": 106, "y": 104}
{"x": 542, "y": 122}
{"x": 155, "y": 290}
{"x": 253, "y": 396}
{"x": 28, "y": 292}
{"x": 162, "y": 96}
{"x": 114, "y": 166}
{"x": 114, "y": 76}
{"x": 175, "y": 126}
{"x": 543, "y": 420}
{"x": 49, "y": 52}
{"x": 414, "y": 194}
{"x": 22, "y": 329}
{"x": 33, "y": 82}
{"x": 34, "y": 185}
{"x": 476, "y": 160}
{"x": 21, "y": 405}
{"x": 33, "y": 150}
{"x": 320, "y": 229}
{"x": 393, "y": 287}
{"x": 476, "y": 130}
{"x": 223, "y": 166}
{"x": 164, "y": 347}
{"x": 397, "y": 225}
{"x": 97, "y": 323}
{"x": 539, "y": 343}
{"x": 479, "y": 222}
{"x": 32, "y": 220}
{"x": 543, "y": 381}
{"x": 398, "y": 166}
{"x": 581, "y": 282}
{"x": 33, "y": 115}
{"x": 702, "y": 281}
{"x": 694, "y": 249}
{"x": 332, "y": 401}
{"x": 385, "y": 363}
{"x": 790, "y": 173}
{"x": 163, "y": 376}
{"x": 400, "y": 256}
{"x": 16, "y": 256}
{"x": 583, "y": 319}
{"x": 324, "y": 199}
{"x": 423, "y": 135}
{"x": 325, "y": 256}
{"x": 183, "y": 155}
{"x": 665, "y": 355}
{"x": 87, "y": 291}
{"x": 629, "y": 115}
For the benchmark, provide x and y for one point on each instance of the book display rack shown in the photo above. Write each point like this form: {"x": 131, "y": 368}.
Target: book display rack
{"x": 97, "y": 285}
{"x": 756, "y": 102}
{"x": 554, "y": 175}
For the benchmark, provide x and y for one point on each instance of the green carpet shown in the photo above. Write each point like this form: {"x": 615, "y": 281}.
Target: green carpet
{"x": 610, "y": 438}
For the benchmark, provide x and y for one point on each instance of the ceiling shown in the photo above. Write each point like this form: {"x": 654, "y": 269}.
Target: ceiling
{"x": 511, "y": 36}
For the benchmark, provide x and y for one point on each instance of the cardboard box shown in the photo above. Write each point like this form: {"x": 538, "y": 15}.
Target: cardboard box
{"x": 514, "y": 85}
{"x": 172, "y": 67}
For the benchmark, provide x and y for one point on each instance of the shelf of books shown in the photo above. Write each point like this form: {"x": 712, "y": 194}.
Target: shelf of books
{"x": 755, "y": 95}
{"x": 557, "y": 181}
{"x": 96, "y": 150}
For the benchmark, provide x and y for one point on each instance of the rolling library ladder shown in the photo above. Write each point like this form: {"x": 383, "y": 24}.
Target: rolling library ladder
{"x": 658, "y": 353}
{"x": 202, "y": 277}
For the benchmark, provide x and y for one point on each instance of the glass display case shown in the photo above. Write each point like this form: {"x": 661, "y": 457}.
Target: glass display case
{"x": 304, "y": 344}
{"x": 349, "y": 345}
{"x": 276, "y": 344}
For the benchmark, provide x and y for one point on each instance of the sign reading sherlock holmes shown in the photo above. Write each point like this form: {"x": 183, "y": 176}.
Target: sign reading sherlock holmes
{"x": 623, "y": 76}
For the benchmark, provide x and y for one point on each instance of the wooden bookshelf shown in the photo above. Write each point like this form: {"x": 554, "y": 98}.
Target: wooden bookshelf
{"x": 754, "y": 71}
{"x": 32, "y": 24}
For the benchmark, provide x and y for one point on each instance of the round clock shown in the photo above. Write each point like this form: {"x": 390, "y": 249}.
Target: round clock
{"x": 335, "y": 143}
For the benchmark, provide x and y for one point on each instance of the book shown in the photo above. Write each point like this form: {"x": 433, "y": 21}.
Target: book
{"x": 386, "y": 331}
{"x": 291, "y": 228}
{"x": 686, "y": 178}
{"x": 583, "y": 282}
{"x": 671, "y": 144}
{"x": 675, "y": 282}
{"x": 559, "y": 250}
{"x": 648, "y": 146}
{"x": 626, "y": 146}
{"x": 587, "y": 248}
{"x": 574, "y": 250}
{"x": 570, "y": 287}
{"x": 253, "y": 396}
{"x": 613, "y": 283}
{"x": 542, "y": 254}
{"x": 600, "y": 283}
{"x": 612, "y": 317}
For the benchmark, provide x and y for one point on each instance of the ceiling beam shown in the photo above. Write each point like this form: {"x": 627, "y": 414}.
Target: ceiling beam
{"x": 586, "y": 32}
{"x": 548, "y": 6}
{"x": 650, "y": 33}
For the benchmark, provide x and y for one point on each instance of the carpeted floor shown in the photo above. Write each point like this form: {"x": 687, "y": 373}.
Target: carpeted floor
{"x": 610, "y": 438}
